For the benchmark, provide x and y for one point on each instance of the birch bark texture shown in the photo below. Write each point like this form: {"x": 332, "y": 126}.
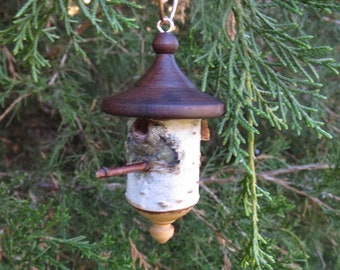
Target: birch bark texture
{"x": 173, "y": 149}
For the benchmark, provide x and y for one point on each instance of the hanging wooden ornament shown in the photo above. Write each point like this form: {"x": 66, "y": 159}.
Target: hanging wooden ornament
{"x": 163, "y": 142}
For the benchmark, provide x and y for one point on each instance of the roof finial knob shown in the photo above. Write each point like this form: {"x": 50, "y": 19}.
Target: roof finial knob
{"x": 165, "y": 43}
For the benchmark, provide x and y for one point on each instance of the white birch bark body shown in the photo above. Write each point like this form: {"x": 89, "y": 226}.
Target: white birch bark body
{"x": 173, "y": 148}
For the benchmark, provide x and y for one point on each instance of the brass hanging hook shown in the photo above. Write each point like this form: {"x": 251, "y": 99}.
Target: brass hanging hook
{"x": 165, "y": 19}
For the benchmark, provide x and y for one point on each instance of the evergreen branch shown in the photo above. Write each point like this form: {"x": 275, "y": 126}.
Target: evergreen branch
{"x": 290, "y": 5}
{"x": 281, "y": 171}
{"x": 298, "y": 168}
{"x": 287, "y": 186}
{"x": 30, "y": 28}
{"x": 326, "y": 5}
{"x": 200, "y": 215}
{"x": 296, "y": 6}
{"x": 271, "y": 176}
{"x": 299, "y": 57}
{"x": 257, "y": 257}
{"x": 136, "y": 254}
{"x": 209, "y": 57}
{"x": 284, "y": 67}
{"x": 13, "y": 104}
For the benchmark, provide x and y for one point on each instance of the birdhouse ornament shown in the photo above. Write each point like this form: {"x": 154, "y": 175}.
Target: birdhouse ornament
{"x": 163, "y": 141}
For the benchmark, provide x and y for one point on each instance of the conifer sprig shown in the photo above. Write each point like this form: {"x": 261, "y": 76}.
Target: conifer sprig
{"x": 30, "y": 29}
{"x": 282, "y": 64}
{"x": 264, "y": 69}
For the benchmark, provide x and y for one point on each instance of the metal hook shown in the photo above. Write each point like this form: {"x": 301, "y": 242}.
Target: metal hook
{"x": 166, "y": 19}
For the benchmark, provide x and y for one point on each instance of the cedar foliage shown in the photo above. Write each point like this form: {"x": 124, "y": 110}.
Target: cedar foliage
{"x": 275, "y": 211}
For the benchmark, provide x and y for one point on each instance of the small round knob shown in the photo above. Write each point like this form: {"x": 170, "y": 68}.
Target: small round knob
{"x": 162, "y": 232}
{"x": 165, "y": 43}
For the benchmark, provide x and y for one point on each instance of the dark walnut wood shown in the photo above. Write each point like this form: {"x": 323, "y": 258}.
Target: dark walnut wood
{"x": 164, "y": 92}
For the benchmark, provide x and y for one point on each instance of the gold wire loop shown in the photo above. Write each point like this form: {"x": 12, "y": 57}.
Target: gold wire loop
{"x": 165, "y": 19}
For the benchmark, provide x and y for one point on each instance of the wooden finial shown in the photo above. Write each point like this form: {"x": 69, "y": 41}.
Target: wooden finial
{"x": 162, "y": 232}
{"x": 162, "y": 229}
